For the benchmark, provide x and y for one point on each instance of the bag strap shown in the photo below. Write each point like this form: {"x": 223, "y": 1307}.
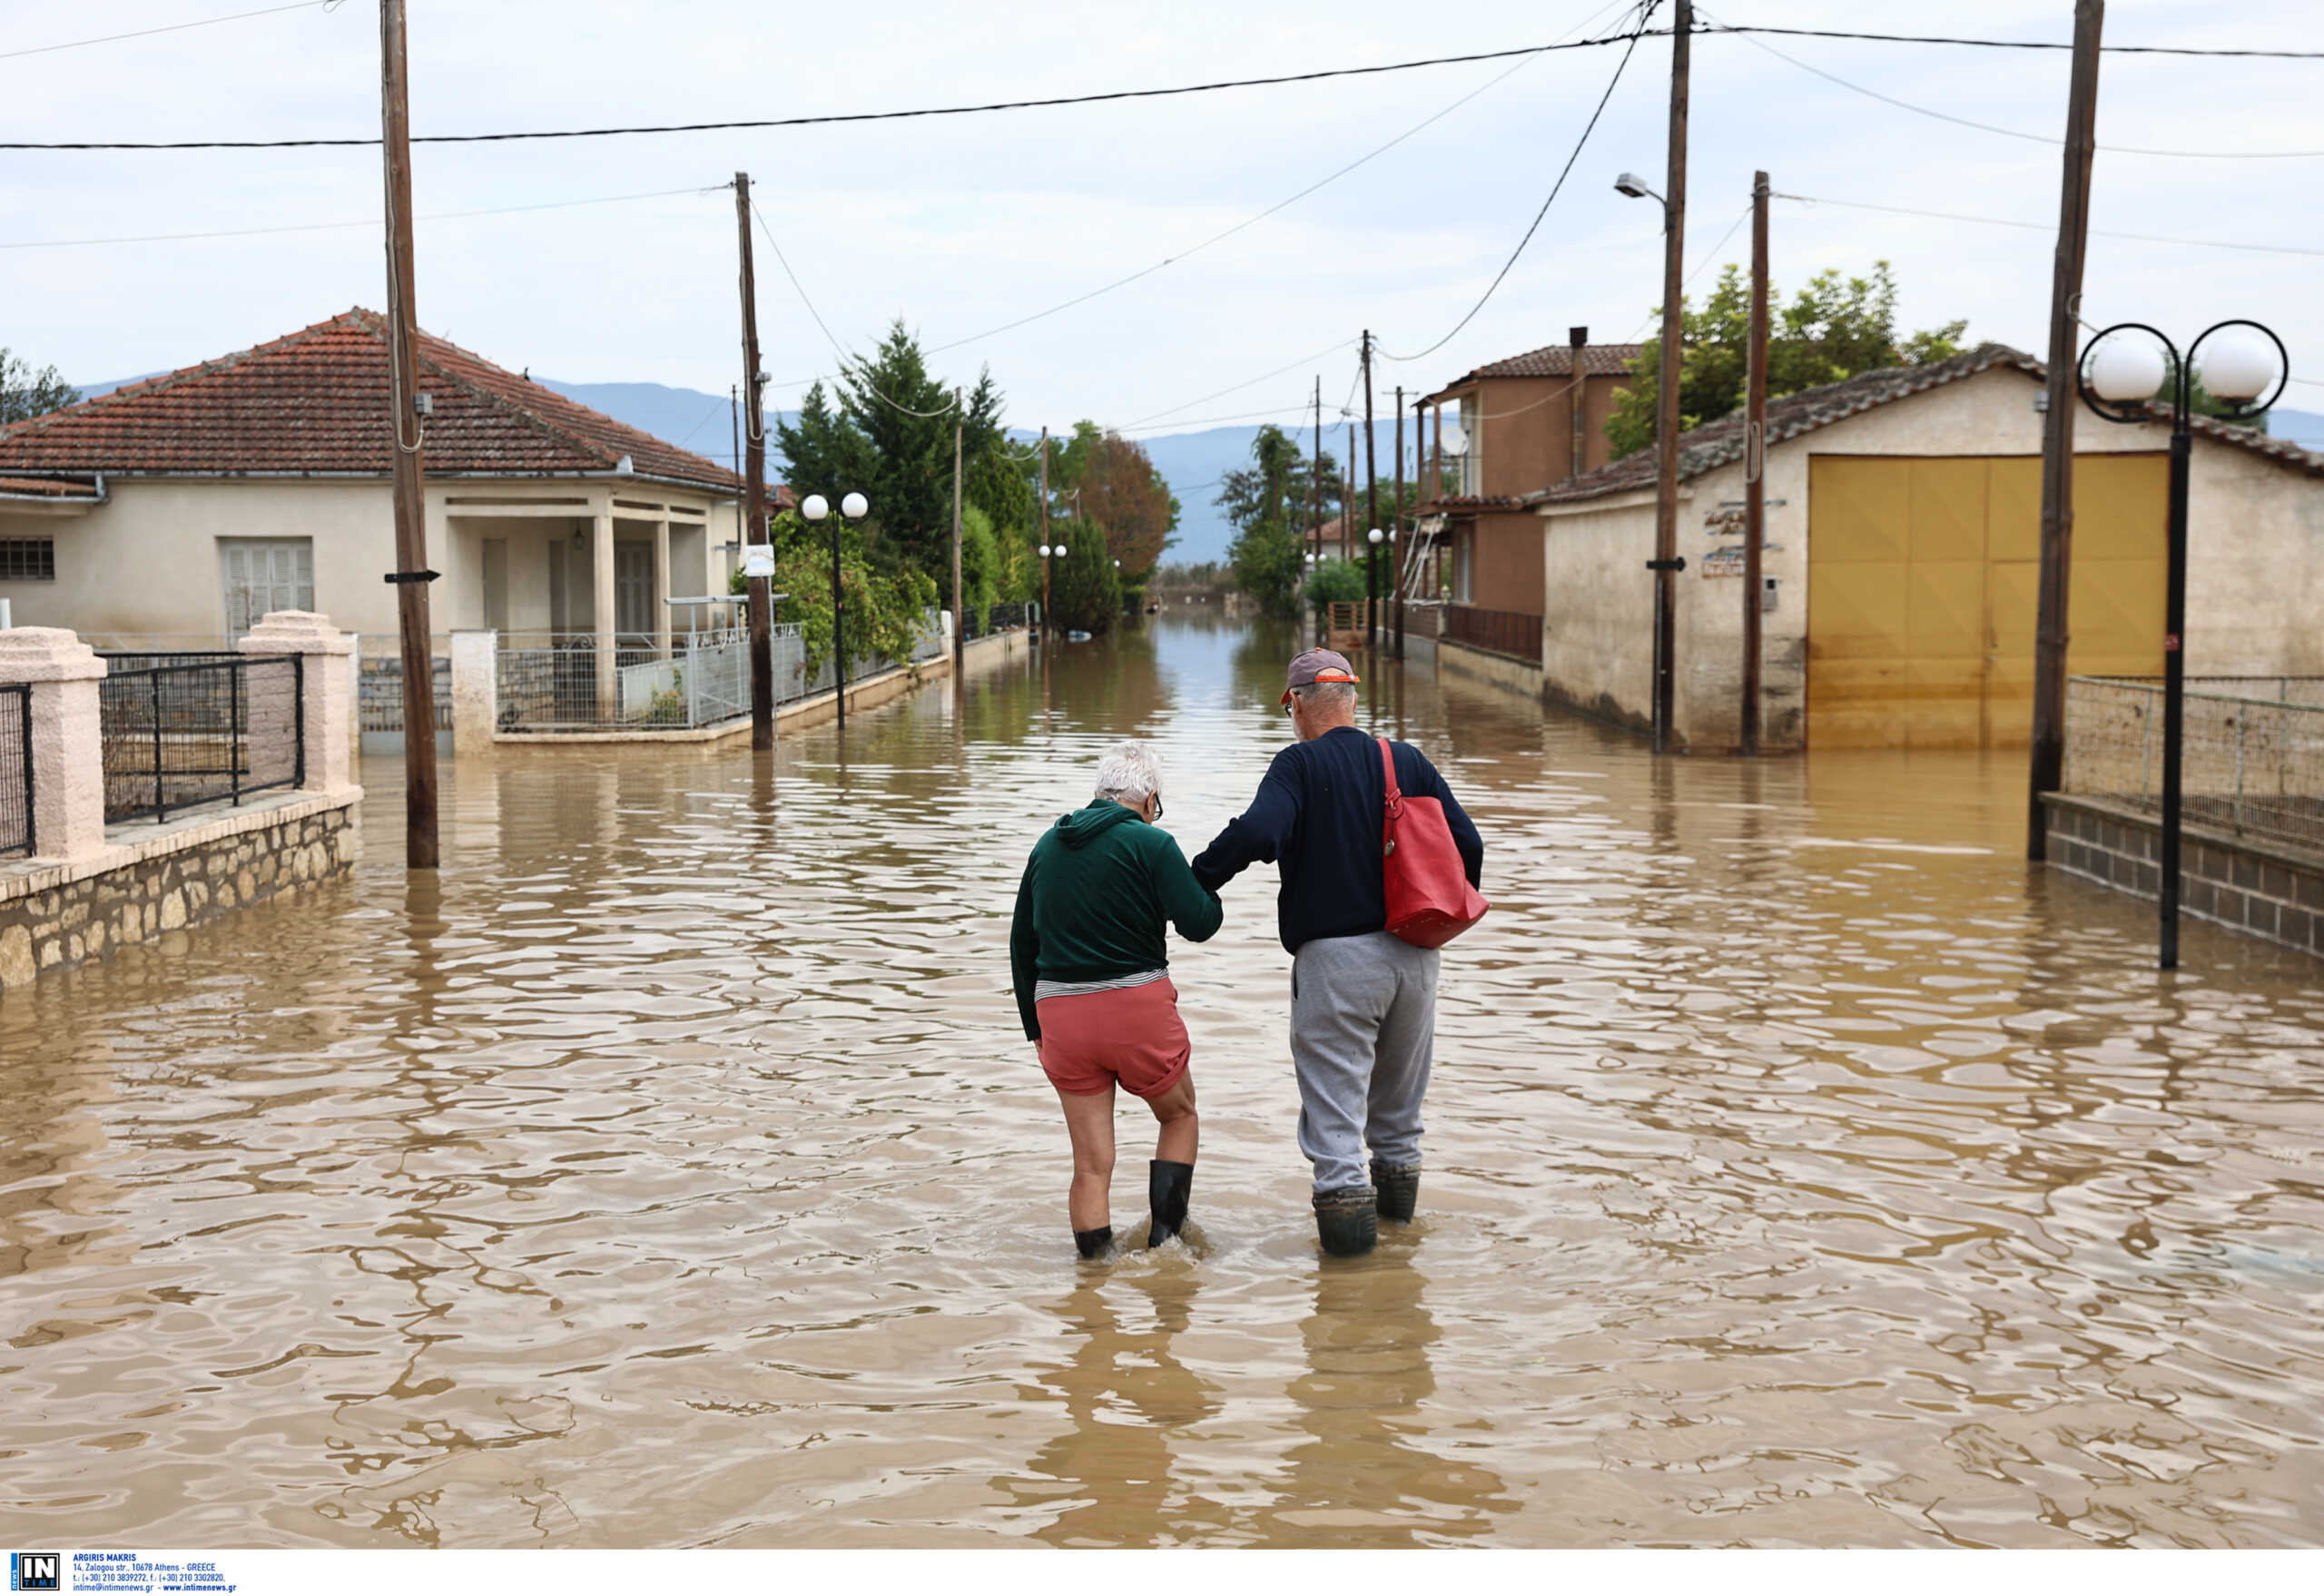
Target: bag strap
{"x": 1393, "y": 808}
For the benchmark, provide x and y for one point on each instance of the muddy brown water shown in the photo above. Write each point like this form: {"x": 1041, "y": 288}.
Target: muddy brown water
{"x": 1802, "y": 1171}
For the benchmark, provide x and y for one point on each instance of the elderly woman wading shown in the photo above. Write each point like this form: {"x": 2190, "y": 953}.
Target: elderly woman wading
{"x": 1086, "y": 954}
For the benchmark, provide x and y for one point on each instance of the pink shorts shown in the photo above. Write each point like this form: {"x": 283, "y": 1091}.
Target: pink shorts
{"x": 1131, "y": 1034}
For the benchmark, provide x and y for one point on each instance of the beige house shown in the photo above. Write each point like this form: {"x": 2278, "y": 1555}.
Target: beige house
{"x": 1903, "y": 529}
{"x": 188, "y": 506}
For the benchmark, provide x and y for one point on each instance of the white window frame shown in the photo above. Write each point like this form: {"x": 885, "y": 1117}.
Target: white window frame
{"x": 290, "y": 589}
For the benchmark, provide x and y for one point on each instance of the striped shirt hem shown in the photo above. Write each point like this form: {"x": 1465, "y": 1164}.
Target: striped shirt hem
{"x": 1082, "y": 988}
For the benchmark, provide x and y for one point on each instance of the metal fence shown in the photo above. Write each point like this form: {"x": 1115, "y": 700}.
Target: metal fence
{"x": 1496, "y": 631}
{"x": 2251, "y": 753}
{"x": 702, "y": 679}
{"x": 197, "y": 730}
{"x": 379, "y": 682}
{"x": 1001, "y": 617}
{"x": 17, "y": 835}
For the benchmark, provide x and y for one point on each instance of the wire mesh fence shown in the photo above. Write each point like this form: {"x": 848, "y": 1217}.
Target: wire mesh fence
{"x": 379, "y": 681}
{"x": 17, "y": 836}
{"x": 199, "y": 730}
{"x": 998, "y": 617}
{"x": 2252, "y": 751}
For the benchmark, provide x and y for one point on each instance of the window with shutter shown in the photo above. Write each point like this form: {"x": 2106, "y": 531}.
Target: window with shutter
{"x": 260, "y": 575}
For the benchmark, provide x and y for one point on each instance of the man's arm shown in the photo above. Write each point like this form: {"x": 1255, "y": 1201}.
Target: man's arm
{"x": 1024, "y": 955}
{"x": 1457, "y": 820}
{"x": 1192, "y": 907}
{"x": 1259, "y": 834}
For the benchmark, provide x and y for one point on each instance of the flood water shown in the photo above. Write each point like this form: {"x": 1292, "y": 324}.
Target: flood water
{"x": 1802, "y": 1169}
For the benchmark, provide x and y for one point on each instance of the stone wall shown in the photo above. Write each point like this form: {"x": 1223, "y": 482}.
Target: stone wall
{"x": 184, "y": 873}
{"x": 2276, "y": 893}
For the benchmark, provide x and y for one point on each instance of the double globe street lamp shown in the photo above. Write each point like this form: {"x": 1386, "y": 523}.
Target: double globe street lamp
{"x": 1372, "y": 584}
{"x": 854, "y": 507}
{"x": 2124, "y": 370}
{"x": 1049, "y": 552}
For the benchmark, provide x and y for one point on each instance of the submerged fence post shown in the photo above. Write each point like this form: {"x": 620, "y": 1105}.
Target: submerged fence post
{"x": 320, "y": 685}
{"x": 67, "y": 744}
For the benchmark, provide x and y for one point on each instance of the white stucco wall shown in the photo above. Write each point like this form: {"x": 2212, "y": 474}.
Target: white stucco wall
{"x": 2255, "y": 591}
{"x": 146, "y": 562}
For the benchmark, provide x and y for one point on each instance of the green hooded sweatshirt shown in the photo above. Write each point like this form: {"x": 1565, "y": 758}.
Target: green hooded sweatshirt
{"x": 1097, "y": 890}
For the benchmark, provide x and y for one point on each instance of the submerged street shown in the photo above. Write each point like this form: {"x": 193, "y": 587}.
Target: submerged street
{"x": 1803, "y": 1168}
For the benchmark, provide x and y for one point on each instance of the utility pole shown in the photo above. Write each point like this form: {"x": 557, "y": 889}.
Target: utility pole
{"x": 1755, "y": 466}
{"x": 1315, "y": 486}
{"x": 1045, "y": 533}
{"x": 754, "y": 490}
{"x": 1402, "y": 547}
{"x": 1435, "y": 487}
{"x": 959, "y": 615}
{"x": 1666, "y": 564}
{"x": 1578, "y": 399}
{"x": 2048, "y": 755}
{"x": 411, "y": 575}
{"x": 1371, "y": 495}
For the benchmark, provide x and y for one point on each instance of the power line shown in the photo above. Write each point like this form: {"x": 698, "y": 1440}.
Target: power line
{"x": 2144, "y": 238}
{"x": 834, "y": 117}
{"x": 1722, "y": 27}
{"x": 1644, "y": 10}
{"x": 1237, "y": 387}
{"x": 837, "y": 348}
{"x": 163, "y": 238}
{"x": 2012, "y": 132}
{"x": 174, "y": 27}
{"x": 1528, "y": 59}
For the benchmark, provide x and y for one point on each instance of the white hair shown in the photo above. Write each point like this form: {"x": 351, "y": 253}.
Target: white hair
{"x": 1324, "y": 694}
{"x": 1128, "y": 773}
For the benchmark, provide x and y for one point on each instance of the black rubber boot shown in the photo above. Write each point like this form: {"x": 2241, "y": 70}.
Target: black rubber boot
{"x": 1399, "y": 1186}
{"x": 1090, "y": 1243}
{"x": 1168, "y": 1186}
{"x": 1347, "y": 1220}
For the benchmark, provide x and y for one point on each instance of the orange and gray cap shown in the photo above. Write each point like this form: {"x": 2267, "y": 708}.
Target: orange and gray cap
{"x": 1317, "y": 664}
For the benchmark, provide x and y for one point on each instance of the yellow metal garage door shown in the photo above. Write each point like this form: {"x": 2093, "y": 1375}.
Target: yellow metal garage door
{"x": 1922, "y": 583}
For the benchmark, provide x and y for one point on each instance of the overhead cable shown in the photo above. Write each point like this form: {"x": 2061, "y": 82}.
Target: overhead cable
{"x": 2144, "y": 238}
{"x": 1590, "y": 127}
{"x": 839, "y": 348}
{"x": 2013, "y": 133}
{"x": 1239, "y": 387}
{"x": 1722, "y": 27}
{"x": 372, "y": 221}
{"x": 831, "y": 118}
{"x": 174, "y": 27}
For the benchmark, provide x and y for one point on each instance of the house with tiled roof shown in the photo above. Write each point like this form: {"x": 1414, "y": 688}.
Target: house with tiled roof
{"x": 1900, "y": 568}
{"x": 1497, "y": 434}
{"x": 188, "y": 504}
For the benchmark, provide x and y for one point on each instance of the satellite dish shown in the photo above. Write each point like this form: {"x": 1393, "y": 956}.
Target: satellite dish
{"x": 1456, "y": 442}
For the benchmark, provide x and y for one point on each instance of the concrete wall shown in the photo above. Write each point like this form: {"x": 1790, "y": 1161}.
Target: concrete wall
{"x": 56, "y": 915}
{"x": 2273, "y": 893}
{"x": 2255, "y": 562}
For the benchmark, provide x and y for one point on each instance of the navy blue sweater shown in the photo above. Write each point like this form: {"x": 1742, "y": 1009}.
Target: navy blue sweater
{"x": 1318, "y": 815}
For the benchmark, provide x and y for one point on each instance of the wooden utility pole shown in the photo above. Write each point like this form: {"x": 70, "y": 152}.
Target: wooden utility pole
{"x": 1044, "y": 531}
{"x": 1315, "y": 483}
{"x": 1578, "y": 399}
{"x": 2051, "y": 634}
{"x": 1347, "y": 498}
{"x": 1435, "y": 487}
{"x": 754, "y": 488}
{"x": 959, "y": 615}
{"x": 1755, "y": 468}
{"x": 412, "y": 573}
{"x": 1371, "y": 503}
{"x": 1402, "y": 547}
{"x": 1665, "y": 564}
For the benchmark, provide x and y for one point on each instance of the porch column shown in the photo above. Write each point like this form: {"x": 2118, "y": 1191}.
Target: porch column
{"x": 600, "y": 607}
{"x": 662, "y": 586}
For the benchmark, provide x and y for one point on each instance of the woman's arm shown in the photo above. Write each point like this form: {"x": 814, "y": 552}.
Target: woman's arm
{"x": 1024, "y": 956}
{"x": 1190, "y": 906}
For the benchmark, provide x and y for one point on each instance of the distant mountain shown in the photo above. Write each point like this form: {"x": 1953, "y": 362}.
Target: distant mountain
{"x": 2304, "y": 428}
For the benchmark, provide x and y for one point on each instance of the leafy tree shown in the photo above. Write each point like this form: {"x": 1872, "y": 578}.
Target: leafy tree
{"x": 980, "y": 560}
{"x": 26, "y": 393}
{"x": 885, "y": 610}
{"x": 1084, "y": 590}
{"x": 1124, "y": 494}
{"x": 1269, "y": 503}
{"x": 1333, "y": 581}
{"x": 1834, "y": 328}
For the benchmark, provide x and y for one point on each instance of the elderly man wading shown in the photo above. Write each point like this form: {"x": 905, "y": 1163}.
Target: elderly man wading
{"x": 1363, "y": 1000}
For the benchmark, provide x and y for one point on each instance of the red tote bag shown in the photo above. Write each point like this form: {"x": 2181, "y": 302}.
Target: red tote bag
{"x": 1429, "y": 900}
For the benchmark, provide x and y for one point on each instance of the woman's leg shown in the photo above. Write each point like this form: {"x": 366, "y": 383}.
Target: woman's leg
{"x": 1180, "y": 1129}
{"x": 1089, "y": 1121}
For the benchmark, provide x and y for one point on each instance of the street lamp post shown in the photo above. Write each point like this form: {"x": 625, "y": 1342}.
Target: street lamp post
{"x": 1372, "y": 586}
{"x": 854, "y": 507}
{"x": 1666, "y": 561}
{"x": 2118, "y": 378}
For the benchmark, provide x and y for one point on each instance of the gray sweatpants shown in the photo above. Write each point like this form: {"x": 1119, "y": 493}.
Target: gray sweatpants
{"x": 1362, "y": 1032}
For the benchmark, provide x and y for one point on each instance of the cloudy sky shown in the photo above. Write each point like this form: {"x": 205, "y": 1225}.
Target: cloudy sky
{"x": 961, "y": 224}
